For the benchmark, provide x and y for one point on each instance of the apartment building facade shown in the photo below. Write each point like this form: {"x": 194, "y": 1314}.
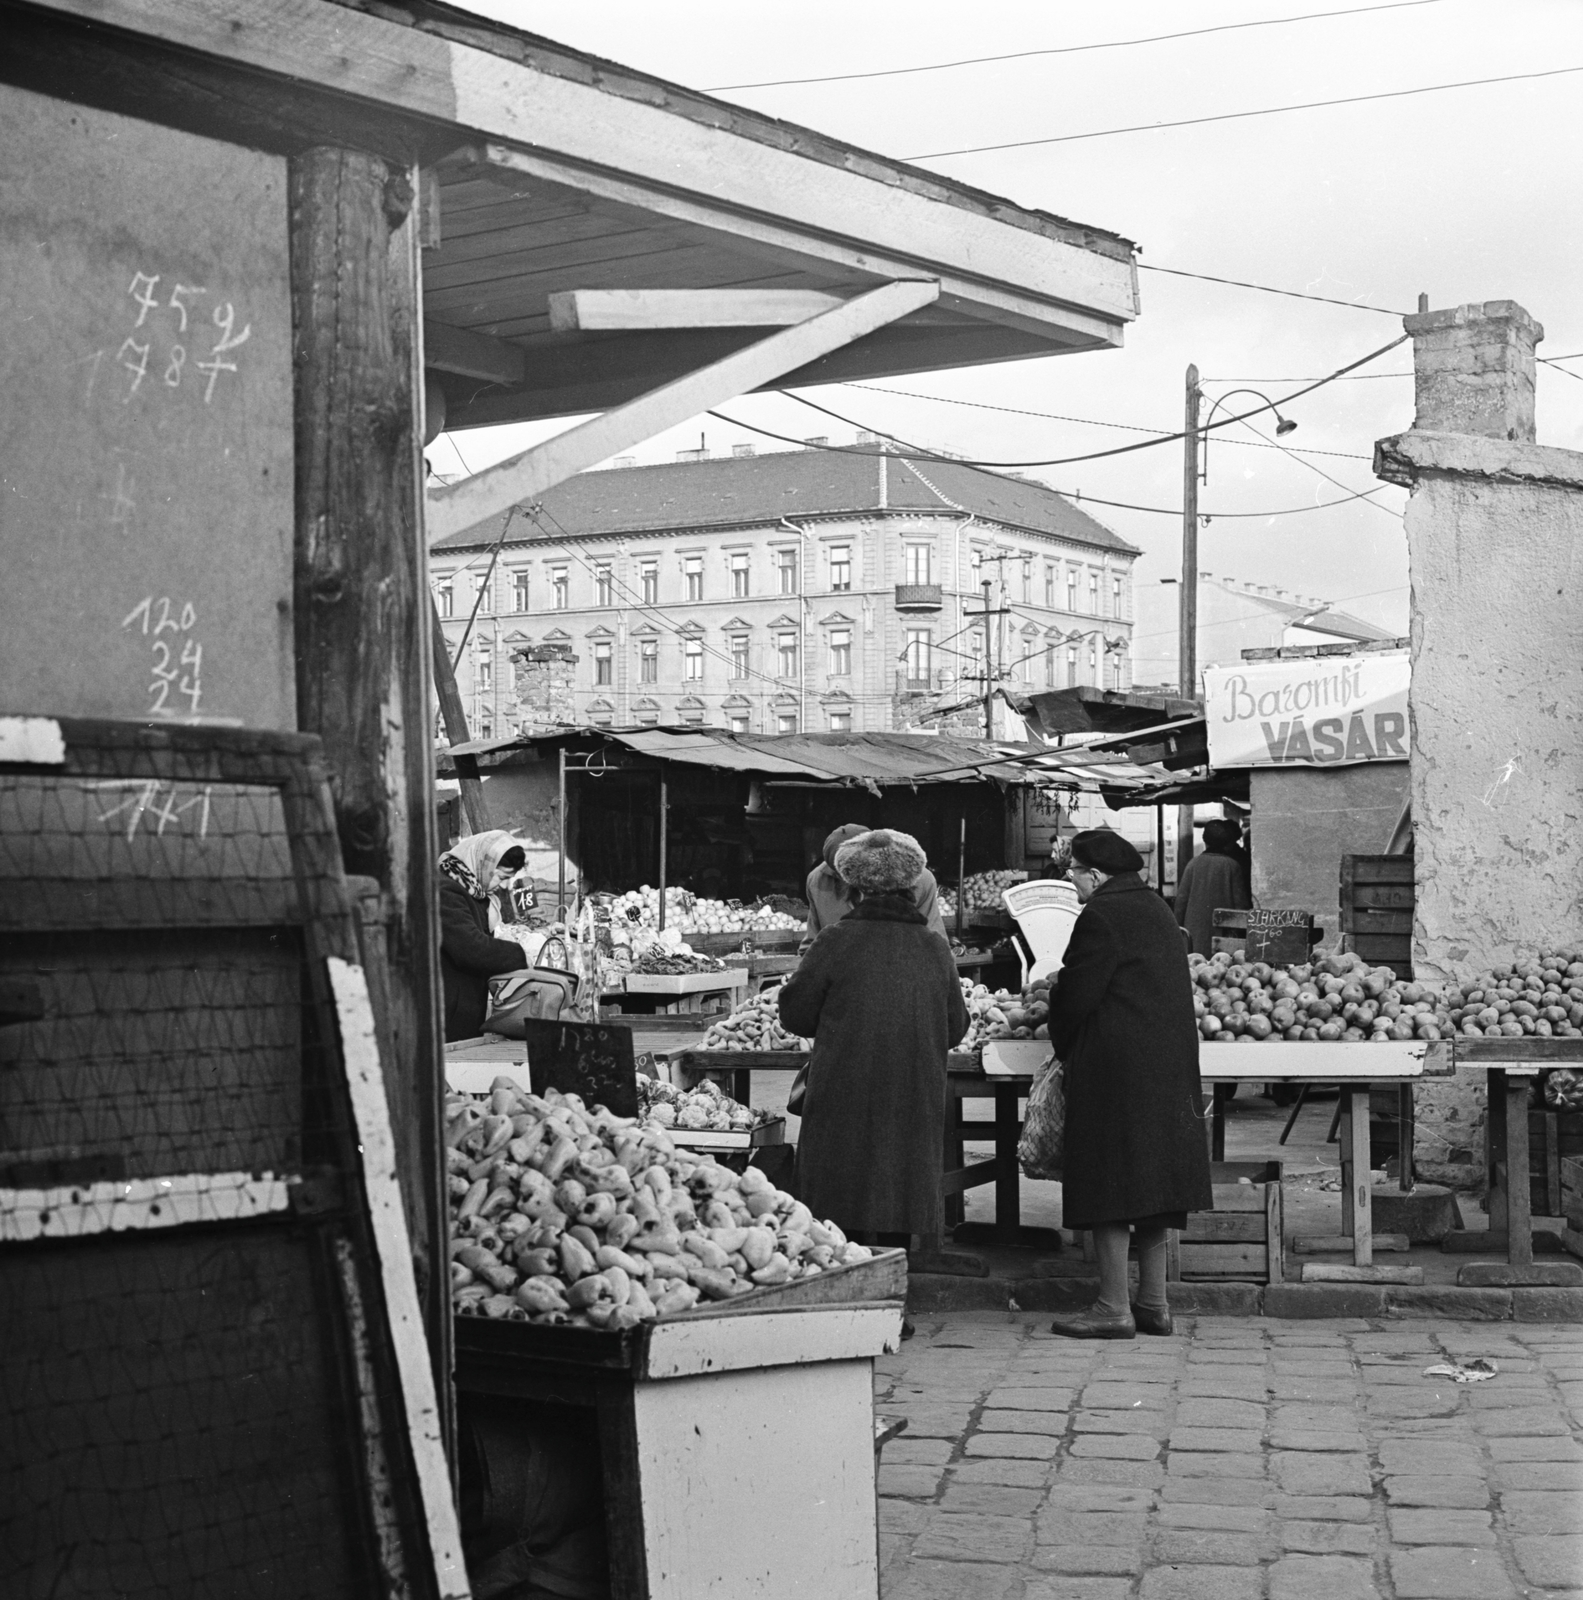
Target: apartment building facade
{"x": 778, "y": 593}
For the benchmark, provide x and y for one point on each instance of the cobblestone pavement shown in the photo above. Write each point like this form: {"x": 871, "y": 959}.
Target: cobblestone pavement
{"x": 1242, "y": 1459}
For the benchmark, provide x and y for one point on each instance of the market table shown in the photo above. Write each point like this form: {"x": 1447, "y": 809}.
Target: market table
{"x": 1511, "y": 1065}
{"x": 471, "y": 1063}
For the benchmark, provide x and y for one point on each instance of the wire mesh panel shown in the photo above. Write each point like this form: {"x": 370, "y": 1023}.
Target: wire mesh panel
{"x": 195, "y": 1391}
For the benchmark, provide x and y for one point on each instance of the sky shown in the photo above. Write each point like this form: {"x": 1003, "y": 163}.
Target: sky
{"x": 1469, "y": 194}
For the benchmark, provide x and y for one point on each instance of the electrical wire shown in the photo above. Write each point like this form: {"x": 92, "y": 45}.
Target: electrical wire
{"x": 1063, "y": 50}
{"x": 1237, "y": 116}
{"x": 1057, "y": 461}
{"x": 1335, "y": 482}
{"x": 1128, "y": 427}
{"x": 1356, "y": 377}
{"x": 1264, "y": 288}
{"x": 1550, "y": 361}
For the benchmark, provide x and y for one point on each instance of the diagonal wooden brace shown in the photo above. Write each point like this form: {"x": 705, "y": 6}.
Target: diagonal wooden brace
{"x": 464, "y": 505}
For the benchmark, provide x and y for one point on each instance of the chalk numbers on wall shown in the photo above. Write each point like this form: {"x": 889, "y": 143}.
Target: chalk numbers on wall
{"x": 168, "y": 328}
{"x": 176, "y": 668}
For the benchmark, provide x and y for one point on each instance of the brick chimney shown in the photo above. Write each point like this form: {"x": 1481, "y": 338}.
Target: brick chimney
{"x": 1473, "y": 370}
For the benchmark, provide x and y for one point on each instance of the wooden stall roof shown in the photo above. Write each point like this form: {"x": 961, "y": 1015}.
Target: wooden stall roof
{"x": 547, "y": 169}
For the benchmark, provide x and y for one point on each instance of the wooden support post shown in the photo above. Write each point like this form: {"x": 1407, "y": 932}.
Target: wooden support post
{"x": 1519, "y": 1218}
{"x": 560, "y": 817}
{"x": 1344, "y": 1127}
{"x": 1406, "y": 1123}
{"x": 1008, "y": 1176}
{"x": 1495, "y": 1145}
{"x": 361, "y": 618}
{"x": 1356, "y": 1144}
{"x": 454, "y": 714}
{"x": 665, "y": 811}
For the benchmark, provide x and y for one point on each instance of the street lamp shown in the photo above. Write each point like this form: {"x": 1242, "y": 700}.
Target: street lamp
{"x": 1283, "y": 425}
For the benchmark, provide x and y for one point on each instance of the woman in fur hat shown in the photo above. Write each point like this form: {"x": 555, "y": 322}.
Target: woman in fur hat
{"x": 1121, "y": 1021}
{"x": 879, "y": 996}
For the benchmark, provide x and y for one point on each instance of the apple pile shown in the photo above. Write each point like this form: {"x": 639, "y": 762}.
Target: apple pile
{"x": 1336, "y": 997}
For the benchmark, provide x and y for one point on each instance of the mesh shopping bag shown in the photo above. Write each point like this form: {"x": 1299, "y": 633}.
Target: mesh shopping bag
{"x": 1041, "y": 1151}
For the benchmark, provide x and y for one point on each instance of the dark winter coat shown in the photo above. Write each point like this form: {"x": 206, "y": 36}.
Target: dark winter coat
{"x": 1121, "y": 1021}
{"x": 1211, "y": 880}
{"x": 469, "y": 958}
{"x": 879, "y": 996}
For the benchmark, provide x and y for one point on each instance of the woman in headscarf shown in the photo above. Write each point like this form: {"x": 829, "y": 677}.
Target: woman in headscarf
{"x": 879, "y": 996}
{"x": 1122, "y": 1025}
{"x": 830, "y": 897}
{"x": 469, "y": 953}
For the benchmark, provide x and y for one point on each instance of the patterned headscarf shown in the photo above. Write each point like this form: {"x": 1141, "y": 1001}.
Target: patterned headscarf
{"x": 471, "y": 861}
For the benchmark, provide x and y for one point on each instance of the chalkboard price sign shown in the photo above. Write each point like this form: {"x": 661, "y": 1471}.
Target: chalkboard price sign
{"x": 1279, "y": 936}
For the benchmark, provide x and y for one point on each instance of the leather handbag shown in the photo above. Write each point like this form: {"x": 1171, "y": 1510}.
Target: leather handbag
{"x": 530, "y": 994}
{"x": 799, "y": 1092}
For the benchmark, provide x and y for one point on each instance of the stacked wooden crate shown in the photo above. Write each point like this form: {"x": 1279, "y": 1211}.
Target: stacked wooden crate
{"x": 1377, "y": 910}
{"x": 1240, "y": 1240}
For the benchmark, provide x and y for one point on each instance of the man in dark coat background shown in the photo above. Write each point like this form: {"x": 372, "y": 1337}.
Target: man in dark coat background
{"x": 1121, "y": 1023}
{"x": 878, "y": 994}
{"x": 1216, "y": 877}
{"x": 830, "y": 897}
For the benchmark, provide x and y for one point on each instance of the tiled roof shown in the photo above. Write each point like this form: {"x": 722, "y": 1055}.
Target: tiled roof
{"x": 738, "y": 491}
{"x": 1316, "y": 617}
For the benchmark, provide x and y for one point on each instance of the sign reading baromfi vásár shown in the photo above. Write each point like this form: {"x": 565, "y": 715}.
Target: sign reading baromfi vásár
{"x": 1313, "y": 712}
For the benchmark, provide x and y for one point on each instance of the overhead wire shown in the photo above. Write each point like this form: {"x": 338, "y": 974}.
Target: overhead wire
{"x": 1265, "y": 288}
{"x": 1237, "y": 116}
{"x": 1095, "y": 422}
{"x": 1065, "y": 50}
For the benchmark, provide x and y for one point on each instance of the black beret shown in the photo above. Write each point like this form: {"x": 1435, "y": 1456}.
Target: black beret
{"x": 1106, "y": 851}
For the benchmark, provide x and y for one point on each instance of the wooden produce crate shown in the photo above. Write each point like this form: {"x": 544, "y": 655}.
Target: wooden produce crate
{"x": 1555, "y": 1141}
{"x": 685, "y": 982}
{"x": 1240, "y": 1240}
{"x": 1377, "y": 910}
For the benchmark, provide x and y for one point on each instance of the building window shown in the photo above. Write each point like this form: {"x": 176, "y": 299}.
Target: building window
{"x": 1071, "y": 666}
{"x": 841, "y": 568}
{"x": 445, "y": 599}
{"x": 1115, "y": 597}
{"x": 604, "y": 662}
{"x": 693, "y": 660}
{"x": 841, "y": 652}
{"x": 1049, "y": 666}
{"x": 486, "y": 729}
{"x": 739, "y": 655}
{"x": 739, "y": 575}
{"x": 920, "y": 563}
{"x": 786, "y": 722}
{"x": 786, "y": 654}
{"x": 1093, "y": 663}
{"x": 604, "y": 585}
{"x": 649, "y": 574}
{"x": 693, "y": 716}
{"x": 1093, "y": 594}
{"x": 648, "y": 716}
{"x": 648, "y": 660}
{"x": 1071, "y": 589}
{"x": 786, "y": 568}
{"x": 1049, "y": 585}
{"x": 519, "y": 591}
{"x": 737, "y": 722}
{"x": 919, "y": 655}
{"x": 486, "y": 597}
{"x": 693, "y": 574}
{"x": 840, "y": 722}
{"x": 1027, "y": 580}
{"x": 560, "y": 588}
{"x": 484, "y": 674}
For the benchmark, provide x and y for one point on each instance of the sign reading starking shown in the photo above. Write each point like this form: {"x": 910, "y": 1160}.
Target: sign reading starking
{"x": 1315, "y": 712}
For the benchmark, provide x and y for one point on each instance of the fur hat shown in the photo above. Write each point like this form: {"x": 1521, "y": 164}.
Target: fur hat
{"x": 1106, "y": 851}
{"x": 881, "y": 862}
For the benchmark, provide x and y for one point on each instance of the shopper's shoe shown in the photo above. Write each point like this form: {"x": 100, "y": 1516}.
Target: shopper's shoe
{"x": 1152, "y": 1321}
{"x": 1094, "y": 1325}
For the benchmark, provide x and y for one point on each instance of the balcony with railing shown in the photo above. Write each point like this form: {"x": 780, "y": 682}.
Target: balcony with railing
{"x": 919, "y": 598}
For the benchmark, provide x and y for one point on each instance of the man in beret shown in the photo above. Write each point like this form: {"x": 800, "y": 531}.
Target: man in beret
{"x": 831, "y": 897}
{"x": 1121, "y": 1023}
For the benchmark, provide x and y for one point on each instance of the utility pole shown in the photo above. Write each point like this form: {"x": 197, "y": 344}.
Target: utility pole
{"x": 1187, "y": 601}
{"x": 989, "y": 676}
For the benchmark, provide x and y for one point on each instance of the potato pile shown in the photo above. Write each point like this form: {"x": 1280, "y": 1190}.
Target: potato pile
{"x": 1542, "y": 997}
{"x": 562, "y": 1215}
{"x": 754, "y": 1025}
{"x": 704, "y": 1109}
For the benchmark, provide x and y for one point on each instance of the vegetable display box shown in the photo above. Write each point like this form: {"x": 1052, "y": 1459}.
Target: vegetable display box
{"x": 1240, "y": 1240}
{"x": 685, "y": 982}
{"x": 772, "y": 1132}
{"x": 1015, "y": 1058}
